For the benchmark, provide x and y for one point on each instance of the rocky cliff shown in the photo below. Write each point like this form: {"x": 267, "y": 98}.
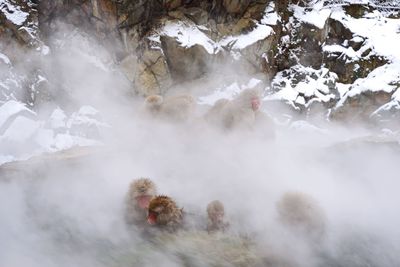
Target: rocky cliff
{"x": 334, "y": 60}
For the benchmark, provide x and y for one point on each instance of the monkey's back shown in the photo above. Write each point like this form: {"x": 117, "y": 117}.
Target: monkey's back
{"x": 178, "y": 107}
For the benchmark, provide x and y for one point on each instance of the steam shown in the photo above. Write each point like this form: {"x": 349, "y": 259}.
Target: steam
{"x": 70, "y": 213}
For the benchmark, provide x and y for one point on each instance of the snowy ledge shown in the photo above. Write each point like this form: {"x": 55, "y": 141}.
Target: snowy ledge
{"x": 189, "y": 34}
{"x": 381, "y": 79}
{"x": 13, "y": 13}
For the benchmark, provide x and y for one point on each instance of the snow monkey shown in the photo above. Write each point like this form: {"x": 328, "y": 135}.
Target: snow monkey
{"x": 141, "y": 191}
{"x": 302, "y": 214}
{"x": 215, "y": 215}
{"x": 175, "y": 108}
{"x": 163, "y": 212}
{"x": 241, "y": 113}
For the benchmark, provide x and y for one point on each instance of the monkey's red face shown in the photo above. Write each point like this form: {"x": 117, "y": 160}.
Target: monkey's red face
{"x": 153, "y": 213}
{"x": 143, "y": 201}
{"x": 255, "y": 103}
{"x": 152, "y": 217}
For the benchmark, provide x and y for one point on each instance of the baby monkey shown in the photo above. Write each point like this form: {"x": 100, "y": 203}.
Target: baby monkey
{"x": 141, "y": 191}
{"x": 216, "y": 221}
{"x": 164, "y": 213}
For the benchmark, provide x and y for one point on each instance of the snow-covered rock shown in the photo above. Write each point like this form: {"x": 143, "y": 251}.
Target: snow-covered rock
{"x": 10, "y": 109}
{"x": 24, "y": 134}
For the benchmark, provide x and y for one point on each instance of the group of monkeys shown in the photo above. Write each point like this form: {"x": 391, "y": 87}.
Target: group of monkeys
{"x": 144, "y": 208}
{"x": 243, "y": 112}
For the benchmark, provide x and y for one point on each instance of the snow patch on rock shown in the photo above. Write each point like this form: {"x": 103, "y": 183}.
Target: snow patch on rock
{"x": 11, "y": 108}
{"x": 26, "y": 136}
{"x": 314, "y": 85}
{"x": 13, "y": 12}
{"x": 189, "y": 34}
{"x": 228, "y": 92}
{"x": 316, "y": 16}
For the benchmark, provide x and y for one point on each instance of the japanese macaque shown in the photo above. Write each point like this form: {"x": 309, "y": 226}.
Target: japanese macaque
{"x": 216, "y": 217}
{"x": 175, "y": 108}
{"x": 241, "y": 113}
{"x": 163, "y": 212}
{"x": 302, "y": 214}
{"x": 141, "y": 191}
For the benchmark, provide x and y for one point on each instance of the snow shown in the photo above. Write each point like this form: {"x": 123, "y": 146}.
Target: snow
{"x": 286, "y": 93}
{"x": 21, "y": 130}
{"x": 316, "y": 16}
{"x": 349, "y": 52}
{"x": 187, "y": 35}
{"x": 394, "y": 104}
{"x": 28, "y": 136}
{"x": 85, "y": 116}
{"x": 381, "y": 32}
{"x": 45, "y": 50}
{"x": 313, "y": 86}
{"x": 5, "y": 59}
{"x": 300, "y": 100}
{"x": 44, "y": 138}
{"x": 6, "y": 158}
{"x": 66, "y": 141}
{"x": 396, "y": 95}
{"x": 239, "y": 42}
{"x": 357, "y": 39}
{"x": 220, "y": 93}
{"x": 271, "y": 19}
{"x": 13, "y": 13}
{"x": 10, "y": 108}
{"x": 374, "y": 32}
{"x": 29, "y": 31}
{"x": 342, "y": 88}
{"x": 57, "y": 119}
{"x": 154, "y": 39}
{"x": 260, "y": 32}
{"x": 88, "y": 111}
{"x": 307, "y": 127}
{"x": 252, "y": 83}
{"x": 380, "y": 79}
{"x": 229, "y": 92}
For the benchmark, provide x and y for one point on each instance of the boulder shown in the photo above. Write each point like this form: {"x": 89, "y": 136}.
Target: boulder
{"x": 184, "y": 63}
{"x": 152, "y": 75}
{"x": 236, "y": 6}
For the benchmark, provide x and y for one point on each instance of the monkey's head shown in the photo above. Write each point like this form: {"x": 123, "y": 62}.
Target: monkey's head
{"x": 153, "y": 102}
{"x": 142, "y": 191}
{"x": 216, "y": 211}
{"x": 302, "y": 212}
{"x": 162, "y": 211}
{"x": 250, "y": 98}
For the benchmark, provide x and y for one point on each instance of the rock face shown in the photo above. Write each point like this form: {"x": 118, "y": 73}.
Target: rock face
{"x": 184, "y": 63}
{"x": 160, "y": 44}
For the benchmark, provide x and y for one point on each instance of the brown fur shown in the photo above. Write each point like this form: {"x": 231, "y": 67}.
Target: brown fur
{"x": 301, "y": 213}
{"x": 175, "y": 108}
{"x": 238, "y": 113}
{"x": 142, "y": 187}
{"x": 169, "y": 214}
{"x": 152, "y": 104}
{"x": 214, "y": 209}
{"x": 139, "y": 187}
